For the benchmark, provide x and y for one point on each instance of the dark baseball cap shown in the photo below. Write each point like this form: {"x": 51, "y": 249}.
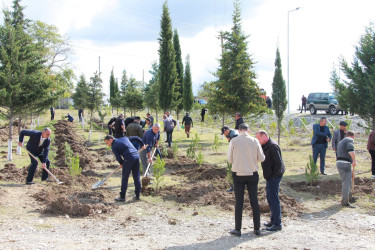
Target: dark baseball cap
{"x": 343, "y": 123}
{"x": 223, "y": 129}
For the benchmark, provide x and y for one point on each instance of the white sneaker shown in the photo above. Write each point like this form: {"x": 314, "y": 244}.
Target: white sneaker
{"x": 373, "y": 177}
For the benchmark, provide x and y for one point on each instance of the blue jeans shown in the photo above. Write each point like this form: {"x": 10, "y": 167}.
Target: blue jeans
{"x": 272, "y": 193}
{"x": 32, "y": 168}
{"x": 130, "y": 164}
{"x": 169, "y": 137}
{"x": 320, "y": 149}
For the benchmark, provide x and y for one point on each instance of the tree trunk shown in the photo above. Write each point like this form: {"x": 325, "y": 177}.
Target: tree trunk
{"x": 178, "y": 114}
{"x": 223, "y": 119}
{"x": 156, "y": 116}
{"x": 18, "y": 152}
{"x": 92, "y": 112}
{"x": 10, "y": 135}
{"x": 278, "y": 132}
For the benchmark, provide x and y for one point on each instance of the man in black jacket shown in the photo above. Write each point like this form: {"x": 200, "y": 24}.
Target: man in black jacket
{"x": 273, "y": 170}
{"x": 111, "y": 125}
{"x": 239, "y": 120}
{"x": 203, "y": 113}
{"x": 188, "y": 124}
{"x": 38, "y": 145}
{"x": 120, "y": 126}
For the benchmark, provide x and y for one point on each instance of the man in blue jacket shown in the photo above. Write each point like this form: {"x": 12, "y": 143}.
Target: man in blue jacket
{"x": 150, "y": 138}
{"x": 38, "y": 145}
{"x": 128, "y": 157}
{"x": 319, "y": 142}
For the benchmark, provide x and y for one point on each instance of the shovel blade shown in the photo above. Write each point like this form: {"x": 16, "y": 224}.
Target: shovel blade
{"x": 97, "y": 184}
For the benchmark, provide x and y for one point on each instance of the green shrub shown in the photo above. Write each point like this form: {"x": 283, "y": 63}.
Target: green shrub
{"x": 190, "y": 153}
{"x": 229, "y": 173}
{"x": 74, "y": 168}
{"x": 216, "y": 144}
{"x": 164, "y": 151}
{"x": 175, "y": 149}
{"x": 68, "y": 153}
{"x": 159, "y": 170}
{"x": 311, "y": 171}
{"x": 200, "y": 157}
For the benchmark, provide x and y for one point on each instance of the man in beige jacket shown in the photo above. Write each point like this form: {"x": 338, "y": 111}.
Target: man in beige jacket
{"x": 244, "y": 153}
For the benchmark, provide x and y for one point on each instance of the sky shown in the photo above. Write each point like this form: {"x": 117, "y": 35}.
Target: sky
{"x": 124, "y": 34}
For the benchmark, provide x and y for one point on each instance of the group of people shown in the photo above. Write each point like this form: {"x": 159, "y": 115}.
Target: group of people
{"x": 132, "y": 143}
{"x": 343, "y": 145}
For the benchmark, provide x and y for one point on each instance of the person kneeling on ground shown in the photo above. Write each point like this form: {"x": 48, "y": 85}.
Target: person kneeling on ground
{"x": 273, "y": 170}
{"x": 128, "y": 157}
{"x": 70, "y": 118}
{"x": 244, "y": 153}
{"x": 344, "y": 163}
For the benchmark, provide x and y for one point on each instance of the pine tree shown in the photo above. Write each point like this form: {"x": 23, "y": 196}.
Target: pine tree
{"x": 152, "y": 90}
{"x": 167, "y": 63}
{"x": 188, "y": 98}
{"x": 236, "y": 89}
{"x": 81, "y": 93}
{"x": 23, "y": 74}
{"x": 180, "y": 74}
{"x": 112, "y": 87}
{"x": 122, "y": 92}
{"x": 133, "y": 96}
{"x": 279, "y": 94}
{"x": 358, "y": 91}
{"x": 95, "y": 95}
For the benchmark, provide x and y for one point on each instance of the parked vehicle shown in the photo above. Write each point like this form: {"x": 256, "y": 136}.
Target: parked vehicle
{"x": 323, "y": 101}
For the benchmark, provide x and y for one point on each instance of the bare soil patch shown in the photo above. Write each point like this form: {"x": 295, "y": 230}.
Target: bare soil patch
{"x": 11, "y": 173}
{"x": 362, "y": 186}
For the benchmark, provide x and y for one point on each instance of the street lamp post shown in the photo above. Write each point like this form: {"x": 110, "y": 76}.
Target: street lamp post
{"x": 288, "y": 58}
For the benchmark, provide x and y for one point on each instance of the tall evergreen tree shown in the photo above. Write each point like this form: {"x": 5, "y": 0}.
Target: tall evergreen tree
{"x": 179, "y": 105}
{"x": 188, "y": 98}
{"x": 152, "y": 90}
{"x": 133, "y": 96}
{"x": 122, "y": 92}
{"x": 95, "y": 95}
{"x": 81, "y": 93}
{"x": 23, "y": 75}
{"x": 279, "y": 94}
{"x": 167, "y": 63}
{"x": 112, "y": 89}
{"x": 358, "y": 91}
{"x": 236, "y": 89}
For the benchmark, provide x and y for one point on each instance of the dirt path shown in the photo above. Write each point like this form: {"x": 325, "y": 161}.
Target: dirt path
{"x": 158, "y": 225}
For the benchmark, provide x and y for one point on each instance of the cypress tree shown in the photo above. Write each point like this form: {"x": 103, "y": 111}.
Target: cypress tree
{"x": 167, "y": 63}
{"x": 152, "y": 89}
{"x": 95, "y": 95}
{"x": 278, "y": 94}
{"x": 188, "y": 98}
{"x": 180, "y": 74}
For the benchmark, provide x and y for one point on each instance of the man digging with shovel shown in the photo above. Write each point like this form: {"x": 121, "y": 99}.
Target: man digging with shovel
{"x": 38, "y": 145}
{"x": 128, "y": 157}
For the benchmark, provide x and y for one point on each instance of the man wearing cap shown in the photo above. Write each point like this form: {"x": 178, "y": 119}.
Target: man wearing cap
{"x": 338, "y": 135}
{"x": 229, "y": 133}
{"x": 188, "y": 124}
{"x": 319, "y": 142}
{"x": 344, "y": 163}
{"x": 151, "y": 118}
{"x": 244, "y": 153}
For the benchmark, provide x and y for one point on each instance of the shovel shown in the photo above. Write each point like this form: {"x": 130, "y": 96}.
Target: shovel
{"x": 146, "y": 180}
{"x": 101, "y": 182}
{"x": 49, "y": 172}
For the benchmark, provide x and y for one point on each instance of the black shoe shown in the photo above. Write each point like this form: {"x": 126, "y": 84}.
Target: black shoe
{"x": 235, "y": 232}
{"x": 230, "y": 189}
{"x": 29, "y": 182}
{"x": 274, "y": 228}
{"x": 348, "y": 205}
{"x": 136, "y": 197}
{"x": 187, "y": 135}
{"x": 120, "y": 199}
{"x": 323, "y": 173}
{"x": 268, "y": 224}
{"x": 256, "y": 231}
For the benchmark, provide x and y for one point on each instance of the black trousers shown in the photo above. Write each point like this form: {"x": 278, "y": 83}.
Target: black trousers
{"x": 372, "y": 153}
{"x": 239, "y": 183}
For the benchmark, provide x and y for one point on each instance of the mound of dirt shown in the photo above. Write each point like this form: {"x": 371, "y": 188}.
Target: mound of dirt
{"x": 11, "y": 173}
{"x": 207, "y": 186}
{"x": 65, "y": 133}
{"x": 362, "y": 186}
{"x": 62, "y": 200}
